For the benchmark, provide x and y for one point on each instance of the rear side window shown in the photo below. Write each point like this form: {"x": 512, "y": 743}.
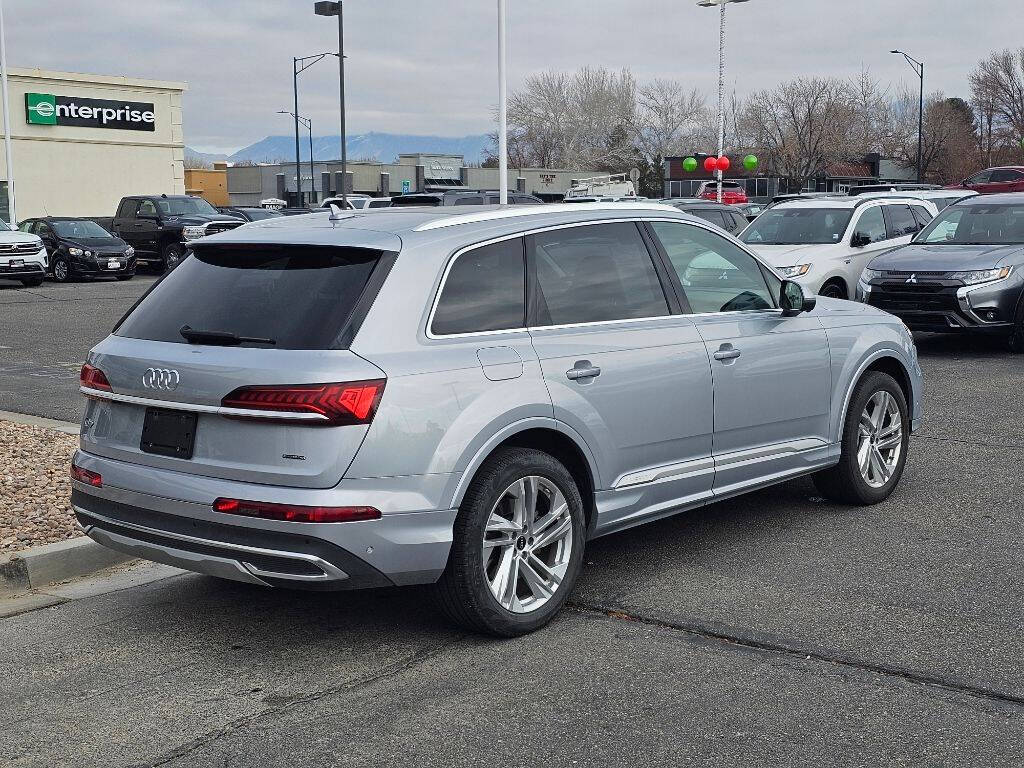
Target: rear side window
{"x": 485, "y": 291}
{"x": 594, "y": 274}
{"x": 299, "y": 296}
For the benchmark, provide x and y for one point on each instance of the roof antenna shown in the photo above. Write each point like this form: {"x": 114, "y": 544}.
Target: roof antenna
{"x": 336, "y": 214}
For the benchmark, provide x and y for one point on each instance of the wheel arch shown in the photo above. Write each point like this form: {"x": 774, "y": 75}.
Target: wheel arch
{"x": 886, "y": 361}
{"x": 553, "y": 438}
{"x": 837, "y": 279}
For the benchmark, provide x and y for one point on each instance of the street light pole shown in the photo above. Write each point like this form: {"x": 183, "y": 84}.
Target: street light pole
{"x": 335, "y": 9}
{"x": 308, "y": 124}
{"x": 502, "y": 107}
{"x": 721, "y": 78}
{"x": 301, "y": 64}
{"x": 11, "y": 207}
{"x": 918, "y": 67}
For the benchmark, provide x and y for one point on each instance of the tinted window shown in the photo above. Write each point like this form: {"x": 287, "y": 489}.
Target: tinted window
{"x": 146, "y": 208}
{"x": 468, "y": 201}
{"x": 922, "y": 214}
{"x": 902, "y": 220}
{"x": 716, "y": 275}
{"x": 872, "y": 225}
{"x": 79, "y": 228}
{"x": 593, "y": 274}
{"x": 485, "y": 291}
{"x": 300, "y": 296}
{"x": 26, "y": 226}
{"x": 1004, "y": 176}
{"x": 379, "y": 204}
{"x": 715, "y": 217}
{"x": 979, "y": 178}
{"x": 127, "y": 208}
{"x": 799, "y": 225}
{"x": 738, "y": 222}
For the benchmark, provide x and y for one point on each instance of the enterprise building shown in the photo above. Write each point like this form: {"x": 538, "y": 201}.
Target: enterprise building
{"x": 82, "y": 142}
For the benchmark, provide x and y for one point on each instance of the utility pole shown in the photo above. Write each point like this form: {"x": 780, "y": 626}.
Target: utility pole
{"x": 12, "y": 208}
{"x": 918, "y": 67}
{"x": 502, "y": 107}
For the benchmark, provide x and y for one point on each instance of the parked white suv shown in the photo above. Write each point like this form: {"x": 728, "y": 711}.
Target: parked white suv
{"x": 824, "y": 243}
{"x": 22, "y": 256}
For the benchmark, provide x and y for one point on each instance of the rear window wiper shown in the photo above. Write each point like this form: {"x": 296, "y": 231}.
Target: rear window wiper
{"x": 219, "y": 338}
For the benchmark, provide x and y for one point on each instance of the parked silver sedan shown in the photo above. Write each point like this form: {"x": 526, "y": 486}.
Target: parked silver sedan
{"x": 408, "y": 396}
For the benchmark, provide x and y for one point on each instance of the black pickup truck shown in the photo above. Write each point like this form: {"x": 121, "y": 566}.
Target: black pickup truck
{"x": 159, "y": 226}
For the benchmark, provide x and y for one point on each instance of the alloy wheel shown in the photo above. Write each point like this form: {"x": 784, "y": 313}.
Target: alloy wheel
{"x": 879, "y": 439}
{"x": 527, "y": 544}
{"x": 60, "y": 270}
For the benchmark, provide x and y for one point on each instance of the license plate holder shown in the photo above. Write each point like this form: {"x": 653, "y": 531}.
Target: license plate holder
{"x": 167, "y": 432}
{"x": 17, "y": 263}
{"x": 113, "y": 264}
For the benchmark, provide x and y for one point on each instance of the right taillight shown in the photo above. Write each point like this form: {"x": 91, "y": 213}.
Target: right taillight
{"x": 346, "y": 403}
{"x": 85, "y": 476}
{"x": 92, "y": 377}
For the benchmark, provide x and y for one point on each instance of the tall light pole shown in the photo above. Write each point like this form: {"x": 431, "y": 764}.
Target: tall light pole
{"x": 502, "y": 106}
{"x": 11, "y": 208}
{"x": 301, "y": 64}
{"x": 335, "y": 9}
{"x": 308, "y": 124}
{"x": 721, "y": 76}
{"x": 918, "y": 67}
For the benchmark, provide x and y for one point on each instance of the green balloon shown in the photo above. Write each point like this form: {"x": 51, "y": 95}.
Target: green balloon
{"x": 690, "y": 164}
{"x": 750, "y": 162}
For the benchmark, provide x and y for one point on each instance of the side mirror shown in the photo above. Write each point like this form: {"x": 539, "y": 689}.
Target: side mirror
{"x": 793, "y": 300}
{"x": 859, "y": 240}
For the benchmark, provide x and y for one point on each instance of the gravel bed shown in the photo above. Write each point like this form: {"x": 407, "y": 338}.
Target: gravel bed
{"x": 35, "y": 490}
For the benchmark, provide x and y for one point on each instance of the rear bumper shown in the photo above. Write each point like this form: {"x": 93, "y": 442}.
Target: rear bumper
{"x": 398, "y": 549}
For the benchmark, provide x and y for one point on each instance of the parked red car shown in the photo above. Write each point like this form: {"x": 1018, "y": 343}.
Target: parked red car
{"x": 992, "y": 181}
{"x": 733, "y": 193}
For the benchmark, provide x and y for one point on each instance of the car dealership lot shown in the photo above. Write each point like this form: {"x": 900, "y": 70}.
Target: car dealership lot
{"x": 775, "y": 627}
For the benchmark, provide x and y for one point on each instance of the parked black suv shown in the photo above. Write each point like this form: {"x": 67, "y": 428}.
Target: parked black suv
{"x": 158, "y": 226}
{"x": 964, "y": 272}
{"x": 463, "y": 197}
{"x": 81, "y": 248}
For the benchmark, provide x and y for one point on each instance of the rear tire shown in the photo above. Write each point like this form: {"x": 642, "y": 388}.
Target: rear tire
{"x": 876, "y": 437}
{"x": 511, "y": 569}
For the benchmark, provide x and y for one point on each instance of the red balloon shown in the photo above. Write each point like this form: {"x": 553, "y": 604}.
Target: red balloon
{"x": 723, "y": 163}
{"x": 710, "y": 164}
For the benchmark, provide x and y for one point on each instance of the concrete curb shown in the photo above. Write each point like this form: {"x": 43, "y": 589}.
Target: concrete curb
{"x": 38, "y": 566}
{"x": 67, "y": 427}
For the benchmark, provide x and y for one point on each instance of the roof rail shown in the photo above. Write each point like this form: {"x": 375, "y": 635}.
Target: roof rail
{"x": 538, "y": 210}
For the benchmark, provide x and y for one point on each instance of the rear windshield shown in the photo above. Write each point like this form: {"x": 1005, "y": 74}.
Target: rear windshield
{"x": 301, "y": 297}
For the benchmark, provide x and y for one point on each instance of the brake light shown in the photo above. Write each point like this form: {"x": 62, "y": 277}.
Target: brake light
{"x": 294, "y": 513}
{"x": 347, "y": 403}
{"x": 93, "y": 378}
{"x": 95, "y": 479}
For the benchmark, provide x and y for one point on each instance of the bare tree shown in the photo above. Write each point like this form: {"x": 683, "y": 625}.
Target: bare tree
{"x": 998, "y": 84}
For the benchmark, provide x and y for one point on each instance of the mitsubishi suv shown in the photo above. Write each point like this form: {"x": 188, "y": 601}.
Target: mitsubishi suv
{"x": 963, "y": 274}
{"x": 465, "y": 399}
{"x": 825, "y": 243}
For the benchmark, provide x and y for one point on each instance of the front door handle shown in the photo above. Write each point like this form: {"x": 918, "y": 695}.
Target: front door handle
{"x": 582, "y": 370}
{"x": 727, "y": 352}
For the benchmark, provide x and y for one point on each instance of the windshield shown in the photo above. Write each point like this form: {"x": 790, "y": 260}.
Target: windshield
{"x": 798, "y": 226}
{"x": 79, "y": 229}
{"x": 182, "y": 206}
{"x": 255, "y": 214}
{"x": 976, "y": 225}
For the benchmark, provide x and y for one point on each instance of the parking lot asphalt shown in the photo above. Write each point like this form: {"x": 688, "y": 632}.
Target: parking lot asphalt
{"x": 45, "y": 334}
{"x": 772, "y": 629}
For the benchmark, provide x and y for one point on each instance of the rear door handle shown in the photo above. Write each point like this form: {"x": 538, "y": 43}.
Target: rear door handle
{"x": 727, "y": 352}
{"x": 582, "y": 370}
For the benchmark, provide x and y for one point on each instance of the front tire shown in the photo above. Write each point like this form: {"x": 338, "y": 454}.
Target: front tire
{"x": 32, "y": 282}
{"x": 61, "y": 270}
{"x": 1015, "y": 341}
{"x": 172, "y": 254}
{"x": 833, "y": 289}
{"x": 517, "y": 546}
{"x": 876, "y": 438}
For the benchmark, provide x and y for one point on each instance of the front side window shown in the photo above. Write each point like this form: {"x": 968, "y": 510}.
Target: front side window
{"x": 976, "y": 224}
{"x": 594, "y": 274}
{"x": 146, "y": 208}
{"x": 716, "y": 275}
{"x": 799, "y": 226}
{"x": 1004, "y": 176}
{"x": 485, "y": 291}
{"x": 922, "y": 214}
{"x": 871, "y": 225}
{"x": 25, "y": 226}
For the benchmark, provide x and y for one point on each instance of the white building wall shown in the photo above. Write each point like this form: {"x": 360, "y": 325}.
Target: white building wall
{"x": 71, "y": 170}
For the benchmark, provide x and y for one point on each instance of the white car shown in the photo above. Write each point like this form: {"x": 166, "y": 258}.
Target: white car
{"x": 22, "y": 256}
{"x": 824, "y": 243}
{"x": 940, "y": 197}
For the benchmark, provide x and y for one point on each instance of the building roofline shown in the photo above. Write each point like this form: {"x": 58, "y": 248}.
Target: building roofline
{"x": 37, "y": 73}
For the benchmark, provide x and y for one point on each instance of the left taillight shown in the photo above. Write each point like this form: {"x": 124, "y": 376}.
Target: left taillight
{"x": 341, "y": 404}
{"x": 92, "y": 377}
{"x": 294, "y": 513}
{"x": 95, "y": 479}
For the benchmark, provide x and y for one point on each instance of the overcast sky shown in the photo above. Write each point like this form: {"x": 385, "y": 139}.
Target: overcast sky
{"x": 429, "y": 67}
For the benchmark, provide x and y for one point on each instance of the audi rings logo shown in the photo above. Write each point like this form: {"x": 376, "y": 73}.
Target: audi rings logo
{"x": 161, "y": 378}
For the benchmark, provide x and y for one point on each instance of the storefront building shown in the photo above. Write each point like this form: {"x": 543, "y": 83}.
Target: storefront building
{"x": 82, "y": 142}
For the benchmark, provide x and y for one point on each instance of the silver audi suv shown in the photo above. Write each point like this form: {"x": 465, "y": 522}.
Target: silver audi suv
{"x": 429, "y": 396}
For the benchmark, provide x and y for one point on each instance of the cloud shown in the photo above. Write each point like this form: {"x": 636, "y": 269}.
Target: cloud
{"x": 430, "y": 68}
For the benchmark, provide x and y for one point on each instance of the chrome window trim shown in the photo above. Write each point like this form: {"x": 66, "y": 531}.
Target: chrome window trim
{"x": 217, "y": 410}
{"x": 690, "y": 221}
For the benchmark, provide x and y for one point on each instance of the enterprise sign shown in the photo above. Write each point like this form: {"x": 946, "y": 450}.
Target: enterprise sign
{"x": 49, "y": 109}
